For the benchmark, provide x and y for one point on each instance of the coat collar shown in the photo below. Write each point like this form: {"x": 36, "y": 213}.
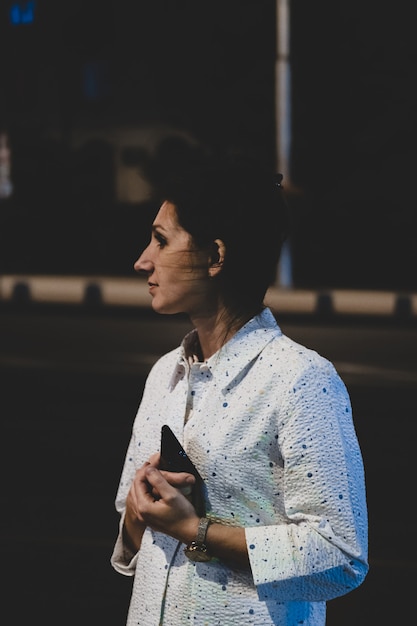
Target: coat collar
{"x": 227, "y": 363}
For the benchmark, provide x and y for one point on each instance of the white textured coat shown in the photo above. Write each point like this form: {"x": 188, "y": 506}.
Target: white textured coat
{"x": 270, "y": 430}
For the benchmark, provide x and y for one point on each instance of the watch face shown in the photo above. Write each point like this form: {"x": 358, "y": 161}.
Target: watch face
{"x": 197, "y": 553}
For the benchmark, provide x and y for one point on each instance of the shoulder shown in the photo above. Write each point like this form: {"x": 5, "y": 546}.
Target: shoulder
{"x": 295, "y": 360}
{"x": 279, "y": 354}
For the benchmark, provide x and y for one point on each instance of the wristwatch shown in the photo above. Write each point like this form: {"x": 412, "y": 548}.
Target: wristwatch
{"x": 197, "y": 550}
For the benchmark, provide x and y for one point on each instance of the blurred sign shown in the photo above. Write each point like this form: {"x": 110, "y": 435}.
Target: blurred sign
{"x": 22, "y": 12}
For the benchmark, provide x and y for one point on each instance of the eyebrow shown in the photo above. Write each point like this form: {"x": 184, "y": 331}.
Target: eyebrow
{"x": 157, "y": 227}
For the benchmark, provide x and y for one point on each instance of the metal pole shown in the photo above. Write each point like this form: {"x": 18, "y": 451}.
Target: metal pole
{"x": 283, "y": 88}
{"x": 283, "y": 120}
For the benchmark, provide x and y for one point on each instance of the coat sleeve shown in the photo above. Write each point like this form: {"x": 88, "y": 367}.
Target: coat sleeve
{"x": 320, "y": 551}
{"x": 122, "y": 559}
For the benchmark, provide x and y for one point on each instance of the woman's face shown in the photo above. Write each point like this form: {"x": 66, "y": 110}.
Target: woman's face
{"x": 178, "y": 275}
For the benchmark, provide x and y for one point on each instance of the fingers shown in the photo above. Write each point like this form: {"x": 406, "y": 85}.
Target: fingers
{"x": 161, "y": 489}
{"x": 180, "y": 480}
{"x": 149, "y": 485}
{"x": 157, "y": 482}
{"x": 170, "y": 511}
{"x": 155, "y": 459}
{"x": 157, "y": 503}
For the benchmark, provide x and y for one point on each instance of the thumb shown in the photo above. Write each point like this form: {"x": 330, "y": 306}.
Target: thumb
{"x": 163, "y": 481}
{"x": 182, "y": 481}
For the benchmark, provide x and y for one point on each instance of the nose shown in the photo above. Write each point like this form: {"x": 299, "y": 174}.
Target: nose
{"x": 143, "y": 263}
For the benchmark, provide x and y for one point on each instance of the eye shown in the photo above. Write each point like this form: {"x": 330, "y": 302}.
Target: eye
{"x": 160, "y": 239}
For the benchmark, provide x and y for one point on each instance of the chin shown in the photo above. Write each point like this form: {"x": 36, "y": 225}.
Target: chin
{"x": 163, "y": 309}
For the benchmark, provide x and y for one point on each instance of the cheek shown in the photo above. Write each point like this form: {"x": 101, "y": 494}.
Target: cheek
{"x": 186, "y": 265}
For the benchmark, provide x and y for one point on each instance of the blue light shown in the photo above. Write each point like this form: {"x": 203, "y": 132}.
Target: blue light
{"x": 14, "y": 14}
{"x": 22, "y": 13}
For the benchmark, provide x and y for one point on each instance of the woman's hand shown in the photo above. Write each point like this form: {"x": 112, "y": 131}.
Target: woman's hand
{"x": 156, "y": 500}
{"x": 174, "y": 515}
{"x": 181, "y": 480}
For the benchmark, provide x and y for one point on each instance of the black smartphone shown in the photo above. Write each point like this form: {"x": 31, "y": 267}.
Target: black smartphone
{"x": 175, "y": 459}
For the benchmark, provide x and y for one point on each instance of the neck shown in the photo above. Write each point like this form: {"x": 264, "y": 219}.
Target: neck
{"x": 215, "y": 330}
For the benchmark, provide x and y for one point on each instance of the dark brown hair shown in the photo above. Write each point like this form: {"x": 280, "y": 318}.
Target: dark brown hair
{"x": 237, "y": 200}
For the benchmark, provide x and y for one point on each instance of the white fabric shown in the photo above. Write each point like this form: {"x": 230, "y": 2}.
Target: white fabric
{"x": 270, "y": 430}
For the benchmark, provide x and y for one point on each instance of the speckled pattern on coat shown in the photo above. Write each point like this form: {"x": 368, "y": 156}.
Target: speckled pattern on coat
{"x": 271, "y": 433}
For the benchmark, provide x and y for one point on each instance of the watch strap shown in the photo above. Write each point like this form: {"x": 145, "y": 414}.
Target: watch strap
{"x": 203, "y": 525}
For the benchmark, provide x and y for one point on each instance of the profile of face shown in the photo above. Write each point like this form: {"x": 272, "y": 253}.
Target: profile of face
{"x": 178, "y": 273}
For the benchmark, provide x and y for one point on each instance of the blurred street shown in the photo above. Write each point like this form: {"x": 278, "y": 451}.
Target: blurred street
{"x": 71, "y": 379}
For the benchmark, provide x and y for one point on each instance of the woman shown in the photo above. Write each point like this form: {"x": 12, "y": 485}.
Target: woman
{"x": 267, "y": 423}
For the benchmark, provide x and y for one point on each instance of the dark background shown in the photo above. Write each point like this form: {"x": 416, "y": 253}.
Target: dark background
{"x": 207, "y": 69}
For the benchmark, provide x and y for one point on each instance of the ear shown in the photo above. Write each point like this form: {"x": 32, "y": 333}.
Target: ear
{"x": 217, "y": 258}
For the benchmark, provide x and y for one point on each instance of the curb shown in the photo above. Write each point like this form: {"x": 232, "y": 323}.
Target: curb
{"x": 104, "y": 291}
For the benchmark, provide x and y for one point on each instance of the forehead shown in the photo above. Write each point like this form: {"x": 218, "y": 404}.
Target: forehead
{"x": 167, "y": 217}
{"x": 166, "y": 221}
